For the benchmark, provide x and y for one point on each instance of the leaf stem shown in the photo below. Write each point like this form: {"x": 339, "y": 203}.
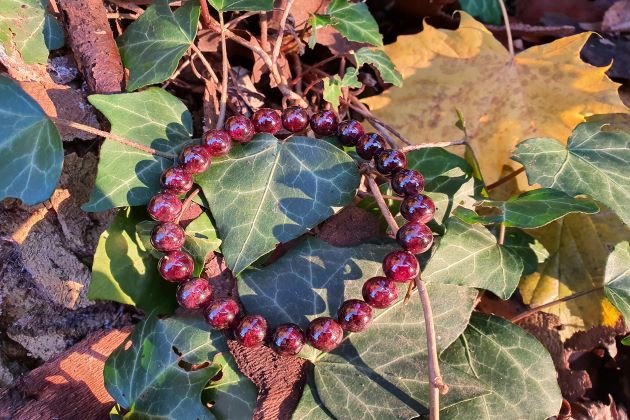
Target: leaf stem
{"x": 380, "y": 201}
{"x": 224, "y": 75}
{"x": 112, "y": 136}
{"x": 205, "y": 63}
{"x": 386, "y": 197}
{"x": 187, "y": 203}
{"x": 508, "y": 30}
{"x": 532, "y": 311}
{"x": 501, "y": 234}
{"x": 356, "y": 104}
{"x": 435, "y": 144}
{"x": 280, "y": 36}
{"x": 205, "y": 13}
{"x": 506, "y": 178}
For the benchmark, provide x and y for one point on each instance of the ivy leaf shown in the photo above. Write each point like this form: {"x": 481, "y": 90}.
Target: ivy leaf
{"x": 125, "y": 270}
{"x": 333, "y": 85}
{"x": 152, "y": 118}
{"x": 527, "y": 248}
{"x": 531, "y": 209}
{"x": 312, "y": 280}
{"x": 310, "y": 406}
{"x": 269, "y": 191}
{"x": 617, "y": 279}
{"x": 316, "y": 22}
{"x": 487, "y": 11}
{"x": 27, "y": 26}
{"x": 163, "y": 367}
{"x": 354, "y": 21}
{"x": 512, "y": 364}
{"x": 31, "y": 152}
{"x": 595, "y": 163}
{"x": 382, "y": 62}
{"x": 241, "y": 5}
{"x": 469, "y": 255}
{"x": 152, "y": 46}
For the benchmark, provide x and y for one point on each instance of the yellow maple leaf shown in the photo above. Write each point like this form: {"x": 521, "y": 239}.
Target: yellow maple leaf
{"x": 544, "y": 91}
{"x": 578, "y": 247}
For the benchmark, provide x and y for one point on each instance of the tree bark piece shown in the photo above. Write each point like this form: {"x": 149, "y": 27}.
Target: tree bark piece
{"x": 93, "y": 44}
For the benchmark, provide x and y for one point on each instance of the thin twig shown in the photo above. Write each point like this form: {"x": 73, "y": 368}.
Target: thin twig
{"x": 386, "y": 197}
{"x": 358, "y": 106}
{"x": 508, "y": 30}
{"x": 224, "y": 75}
{"x": 501, "y": 234}
{"x": 175, "y": 75}
{"x": 205, "y": 63}
{"x": 264, "y": 31}
{"x": 283, "y": 23}
{"x": 236, "y": 20}
{"x": 111, "y": 136}
{"x": 506, "y": 178}
{"x": 436, "y": 144}
{"x": 206, "y": 20}
{"x": 187, "y": 203}
{"x": 410, "y": 288}
{"x": 532, "y": 311}
{"x": 380, "y": 201}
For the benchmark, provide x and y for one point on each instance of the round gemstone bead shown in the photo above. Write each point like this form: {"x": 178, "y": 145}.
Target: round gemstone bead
{"x": 349, "y": 132}
{"x": 194, "y": 159}
{"x": 251, "y": 331}
{"x": 222, "y": 313}
{"x": 267, "y": 120}
{"x": 369, "y": 145}
{"x": 176, "y": 181}
{"x": 379, "y": 292}
{"x": 176, "y": 266}
{"x": 324, "y": 334}
{"x": 240, "y": 128}
{"x": 389, "y": 162}
{"x": 415, "y": 237}
{"x": 164, "y": 207}
{"x": 167, "y": 237}
{"x": 287, "y": 340}
{"x": 354, "y": 315}
{"x": 324, "y": 123}
{"x": 407, "y": 182}
{"x": 217, "y": 142}
{"x": 417, "y": 208}
{"x": 400, "y": 266}
{"x": 295, "y": 119}
{"x": 194, "y": 293}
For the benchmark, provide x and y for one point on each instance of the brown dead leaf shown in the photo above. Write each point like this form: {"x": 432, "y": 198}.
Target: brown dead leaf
{"x": 617, "y": 18}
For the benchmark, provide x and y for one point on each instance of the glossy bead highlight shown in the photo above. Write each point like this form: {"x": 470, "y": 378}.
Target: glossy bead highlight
{"x": 176, "y": 266}
{"x": 287, "y": 340}
{"x": 167, "y": 237}
{"x": 415, "y": 237}
{"x": 400, "y": 266}
{"x": 194, "y": 293}
{"x": 251, "y": 331}
{"x": 379, "y": 292}
{"x": 164, "y": 207}
{"x": 222, "y": 313}
{"x": 354, "y": 315}
{"x": 324, "y": 334}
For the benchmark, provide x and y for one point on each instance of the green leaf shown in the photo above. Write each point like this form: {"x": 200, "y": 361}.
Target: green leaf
{"x": 387, "y": 363}
{"x": 163, "y": 367}
{"x": 152, "y": 118}
{"x": 152, "y": 46}
{"x": 27, "y": 26}
{"x": 527, "y": 248}
{"x": 617, "y": 279}
{"x": 354, "y": 21}
{"x": 626, "y": 340}
{"x": 512, "y": 364}
{"x": 241, "y": 5}
{"x": 487, "y": 11}
{"x": 468, "y": 255}
{"x": 531, "y": 209}
{"x": 31, "y": 152}
{"x": 310, "y": 406}
{"x": 125, "y": 269}
{"x": 269, "y": 191}
{"x": 594, "y": 163}
{"x": 333, "y": 85}
{"x": 316, "y": 22}
{"x": 382, "y": 62}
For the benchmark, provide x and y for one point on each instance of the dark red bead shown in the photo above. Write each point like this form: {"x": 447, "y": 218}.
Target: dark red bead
{"x": 324, "y": 123}
{"x": 251, "y": 331}
{"x": 194, "y": 159}
{"x": 415, "y": 237}
{"x": 167, "y": 237}
{"x": 324, "y": 334}
{"x": 176, "y": 181}
{"x": 349, "y": 132}
{"x": 176, "y": 266}
{"x": 164, "y": 207}
{"x": 194, "y": 294}
{"x": 287, "y": 340}
{"x": 217, "y": 142}
{"x": 354, "y": 315}
{"x": 407, "y": 182}
{"x": 369, "y": 145}
{"x": 400, "y": 266}
{"x": 389, "y": 162}
{"x": 294, "y": 119}
{"x": 222, "y": 313}
{"x": 240, "y": 128}
{"x": 418, "y": 208}
{"x": 267, "y": 120}
{"x": 379, "y": 292}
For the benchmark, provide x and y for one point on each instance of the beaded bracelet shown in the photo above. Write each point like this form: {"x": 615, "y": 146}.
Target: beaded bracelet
{"x": 354, "y": 315}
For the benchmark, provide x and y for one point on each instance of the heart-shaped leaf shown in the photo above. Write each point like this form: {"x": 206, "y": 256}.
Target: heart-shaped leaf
{"x": 241, "y": 5}
{"x": 31, "y": 153}
{"x": 617, "y": 279}
{"x": 163, "y": 367}
{"x": 527, "y": 248}
{"x": 125, "y": 270}
{"x": 512, "y": 364}
{"x": 469, "y": 255}
{"x": 269, "y": 191}
{"x": 152, "y": 46}
{"x": 382, "y": 62}
{"x": 152, "y": 118}
{"x": 595, "y": 163}
{"x": 354, "y": 21}
{"x": 531, "y": 209}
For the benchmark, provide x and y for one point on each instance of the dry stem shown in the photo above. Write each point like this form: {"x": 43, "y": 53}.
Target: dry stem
{"x": 283, "y": 23}
{"x": 436, "y": 144}
{"x": 532, "y": 311}
{"x": 507, "y": 27}
{"x": 224, "y": 75}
